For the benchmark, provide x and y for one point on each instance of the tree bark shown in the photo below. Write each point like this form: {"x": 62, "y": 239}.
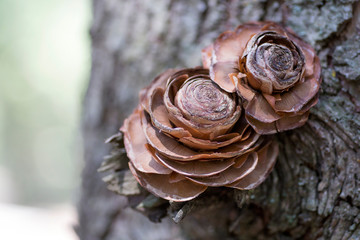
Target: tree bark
{"x": 314, "y": 190}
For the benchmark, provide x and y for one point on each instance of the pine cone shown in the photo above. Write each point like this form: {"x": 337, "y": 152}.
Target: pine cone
{"x": 276, "y": 74}
{"x": 188, "y": 134}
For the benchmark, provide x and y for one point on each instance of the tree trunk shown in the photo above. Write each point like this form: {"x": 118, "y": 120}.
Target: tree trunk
{"x": 314, "y": 190}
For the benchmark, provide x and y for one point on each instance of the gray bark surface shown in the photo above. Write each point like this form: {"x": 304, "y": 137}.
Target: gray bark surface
{"x": 314, "y": 190}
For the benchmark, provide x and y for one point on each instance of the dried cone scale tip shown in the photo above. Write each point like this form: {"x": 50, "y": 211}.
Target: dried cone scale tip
{"x": 274, "y": 71}
{"x": 188, "y": 134}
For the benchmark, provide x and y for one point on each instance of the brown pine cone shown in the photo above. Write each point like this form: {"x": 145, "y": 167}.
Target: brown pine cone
{"x": 274, "y": 71}
{"x": 188, "y": 134}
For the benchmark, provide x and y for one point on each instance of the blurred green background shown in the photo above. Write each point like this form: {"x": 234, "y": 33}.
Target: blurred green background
{"x": 44, "y": 66}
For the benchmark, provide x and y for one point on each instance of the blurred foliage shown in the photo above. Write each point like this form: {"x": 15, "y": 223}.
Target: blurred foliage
{"x": 44, "y": 64}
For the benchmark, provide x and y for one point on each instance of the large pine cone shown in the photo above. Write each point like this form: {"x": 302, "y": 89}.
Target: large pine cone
{"x": 188, "y": 134}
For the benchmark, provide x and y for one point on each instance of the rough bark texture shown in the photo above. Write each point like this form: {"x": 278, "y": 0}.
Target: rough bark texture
{"x": 314, "y": 190}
